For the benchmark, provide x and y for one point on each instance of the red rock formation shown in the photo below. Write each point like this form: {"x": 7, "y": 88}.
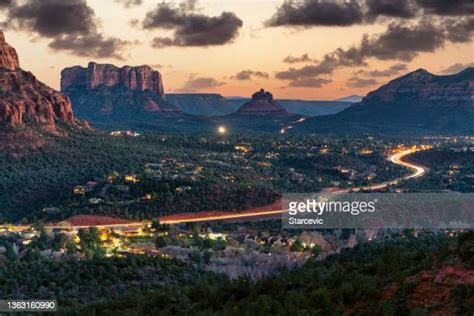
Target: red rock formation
{"x": 134, "y": 78}
{"x": 8, "y": 55}
{"x": 434, "y": 287}
{"x": 262, "y": 103}
{"x": 24, "y": 99}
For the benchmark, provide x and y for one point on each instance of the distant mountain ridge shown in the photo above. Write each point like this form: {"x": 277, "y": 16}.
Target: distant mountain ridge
{"x": 416, "y": 102}
{"x": 351, "y": 98}
{"x": 206, "y": 104}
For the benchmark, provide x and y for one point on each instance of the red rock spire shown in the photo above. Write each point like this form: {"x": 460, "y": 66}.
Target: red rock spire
{"x": 8, "y": 55}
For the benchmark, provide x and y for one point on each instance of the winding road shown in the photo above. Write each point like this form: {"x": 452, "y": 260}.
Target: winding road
{"x": 396, "y": 158}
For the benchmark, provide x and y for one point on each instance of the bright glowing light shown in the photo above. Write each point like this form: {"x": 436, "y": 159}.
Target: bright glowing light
{"x": 222, "y": 130}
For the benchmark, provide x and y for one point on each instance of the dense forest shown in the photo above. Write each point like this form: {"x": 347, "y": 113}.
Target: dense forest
{"x": 382, "y": 277}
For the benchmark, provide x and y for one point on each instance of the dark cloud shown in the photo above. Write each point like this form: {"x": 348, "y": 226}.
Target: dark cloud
{"x": 130, "y": 3}
{"x": 309, "y": 13}
{"x": 460, "y": 31}
{"x": 447, "y": 7}
{"x": 90, "y": 45}
{"x": 301, "y": 59}
{"x": 5, "y": 3}
{"x": 51, "y": 18}
{"x": 455, "y": 68}
{"x": 248, "y": 74}
{"x": 398, "y": 42}
{"x": 390, "y": 8}
{"x": 317, "y": 12}
{"x": 403, "y": 42}
{"x": 309, "y": 82}
{"x": 200, "y": 83}
{"x": 326, "y": 66}
{"x": 389, "y": 72}
{"x": 356, "y": 82}
{"x": 191, "y": 28}
{"x": 71, "y": 25}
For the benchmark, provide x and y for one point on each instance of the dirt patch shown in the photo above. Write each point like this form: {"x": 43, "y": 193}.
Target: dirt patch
{"x": 92, "y": 220}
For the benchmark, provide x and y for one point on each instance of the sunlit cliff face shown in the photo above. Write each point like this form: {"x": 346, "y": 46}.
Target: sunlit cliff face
{"x": 236, "y": 47}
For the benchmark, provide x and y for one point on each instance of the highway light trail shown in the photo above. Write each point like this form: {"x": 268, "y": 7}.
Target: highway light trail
{"x": 418, "y": 171}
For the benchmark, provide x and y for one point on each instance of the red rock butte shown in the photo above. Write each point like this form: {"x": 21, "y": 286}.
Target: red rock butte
{"x": 134, "y": 78}
{"x": 262, "y": 103}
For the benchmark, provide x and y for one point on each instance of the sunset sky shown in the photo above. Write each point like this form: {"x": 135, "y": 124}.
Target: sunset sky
{"x": 305, "y": 49}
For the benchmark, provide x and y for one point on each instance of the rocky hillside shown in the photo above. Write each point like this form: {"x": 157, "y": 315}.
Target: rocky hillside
{"x": 24, "y": 99}
{"x": 262, "y": 103}
{"x": 417, "y": 102}
{"x": 134, "y": 78}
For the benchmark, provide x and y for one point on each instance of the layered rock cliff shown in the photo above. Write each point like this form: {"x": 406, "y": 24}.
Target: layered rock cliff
{"x": 25, "y": 100}
{"x": 416, "y": 102}
{"x": 427, "y": 89}
{"x": 106, "y": 93}
{"x": 262, "y": 103}
{"x": 139, "y": 78}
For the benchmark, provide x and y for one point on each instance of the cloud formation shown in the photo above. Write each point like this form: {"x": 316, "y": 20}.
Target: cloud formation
{"x": 71, "y": 25}
{"x": 400, "y": 41}
{"x": 455, "y": 68}
{"x": 460, "y": 30}
{"x": 447, "y": 7}
{"x": 51, "y": 18}
{"x": 317, "y": 12}
{"x": 390, "y": 8}
{"x": 311, "y": 13}
{"x": 90, "y": 45}
{"x": 130, "y": 3}
{"x": 301, "y": 59}
{"x": 5, "y": 3}
{"x": 248, "y": 74}
{"x": 389, "y": 72}
{"x": 356, "y": 82}
{"x": 310, "y": 82}
{"x": 200, "y": 83}
{"x": 191, "y": 28}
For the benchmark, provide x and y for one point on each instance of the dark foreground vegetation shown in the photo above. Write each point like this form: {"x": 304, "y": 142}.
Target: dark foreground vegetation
{"x": 382, "y": 277}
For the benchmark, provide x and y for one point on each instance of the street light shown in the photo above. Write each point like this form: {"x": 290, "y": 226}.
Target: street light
{"x": 221, "y": 130}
